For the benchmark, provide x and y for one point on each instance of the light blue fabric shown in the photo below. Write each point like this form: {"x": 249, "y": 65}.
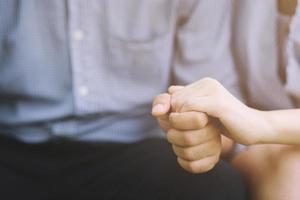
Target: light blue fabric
{"x": 88, "y": 70}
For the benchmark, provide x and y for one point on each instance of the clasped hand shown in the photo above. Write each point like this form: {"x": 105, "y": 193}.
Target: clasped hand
{"x": 194, "y": 117}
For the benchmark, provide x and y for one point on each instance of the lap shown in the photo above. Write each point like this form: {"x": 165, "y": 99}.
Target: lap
{"x": 144, "y": 170}
{"x": 271, "y": 170}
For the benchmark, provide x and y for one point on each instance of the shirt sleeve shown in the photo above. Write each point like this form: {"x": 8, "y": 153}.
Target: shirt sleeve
{"x": 203, "y": 44}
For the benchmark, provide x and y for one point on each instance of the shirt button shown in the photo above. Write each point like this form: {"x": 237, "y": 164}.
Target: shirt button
{"x": 78, "y": 35}
{"x": 83, "y": 91}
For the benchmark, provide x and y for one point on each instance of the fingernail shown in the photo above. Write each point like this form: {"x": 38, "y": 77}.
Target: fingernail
{"x": 158, "y": 108}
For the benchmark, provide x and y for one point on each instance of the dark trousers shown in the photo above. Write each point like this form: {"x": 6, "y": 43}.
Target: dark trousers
{"x": 77, "y": 170}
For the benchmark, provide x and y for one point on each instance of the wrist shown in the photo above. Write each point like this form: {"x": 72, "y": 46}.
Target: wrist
{"x": 268, "y": 128}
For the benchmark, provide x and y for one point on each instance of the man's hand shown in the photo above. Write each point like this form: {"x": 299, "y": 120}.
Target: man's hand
{"x": 195, "y": 141}
{"x": 160, "y": 110}
{"x": 242, "y": 124}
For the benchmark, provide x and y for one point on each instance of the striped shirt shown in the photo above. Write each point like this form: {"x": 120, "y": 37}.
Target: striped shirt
{"x": 88, "y": 70}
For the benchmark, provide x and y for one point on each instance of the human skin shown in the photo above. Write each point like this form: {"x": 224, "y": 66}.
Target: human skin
{"x": 270, "y": 170}
{"x": 271, "y": 163}
{"x": 243, "y": 124}
{"x": 195, "y": 139}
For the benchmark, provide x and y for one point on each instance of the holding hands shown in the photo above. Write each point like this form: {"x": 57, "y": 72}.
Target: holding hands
{"x": 194, "y": 117}
{"x": 195, "y": 140}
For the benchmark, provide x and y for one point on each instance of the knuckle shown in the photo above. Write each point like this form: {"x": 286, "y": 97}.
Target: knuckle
{"x": 218, "y": 151}
{"x": 208, "y": 80}
{"x": 176, "y": 151}
{"x": 200, "y": 166}
{"x": 208, "y": 167}
{"x": 215, "y": 148}
{"x": 188, "y": 139}
{"x": 174, "y": 103}
{"x": 163, "y": 124}
{"x": 193, "y": 167}
{"x": 212, "y": 83}
{"x": 171, "y": 87}
{"x": 204, "y": 136}
{"x": 171, "y": 132}
{"x": 215, "y": 159}
{"x": 199, "y": 120}
{"x": 188, "y": 154}
{"x": 174, "y": 88}
{"x": 171, "y": 136}
{"x": 172, "y": 118}
{"x": 161, "y": 97}
{"x": 189, "y": 104}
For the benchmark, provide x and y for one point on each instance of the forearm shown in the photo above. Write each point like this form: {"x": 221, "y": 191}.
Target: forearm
{"x": 285, "y": 126}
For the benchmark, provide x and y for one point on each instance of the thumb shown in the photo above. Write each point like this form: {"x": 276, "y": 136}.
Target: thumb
{"x": 161, "y": 105}
{"x": 174, "y": 88}
{"x": 203, "y": 104}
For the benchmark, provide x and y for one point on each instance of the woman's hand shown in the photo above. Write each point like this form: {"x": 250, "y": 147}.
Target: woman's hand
{"x": 241, "y": 123}
{"x": 195, "y": 141}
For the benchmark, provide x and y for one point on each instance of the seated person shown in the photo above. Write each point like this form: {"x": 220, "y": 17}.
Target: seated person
{"x": 76, "y": 83}
{"x": 234, "y": 119}
{"x": 271, "y": 81}
{"x": 266, "y": 43}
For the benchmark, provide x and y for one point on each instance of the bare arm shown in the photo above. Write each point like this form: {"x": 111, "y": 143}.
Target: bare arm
{"x": 286, "y": 126}
{"x": 243, "y": 124}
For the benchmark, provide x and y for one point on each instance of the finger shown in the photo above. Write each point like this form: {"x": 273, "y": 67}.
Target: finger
{"x": 205, "y": 104}
{"x": 213, "y": 147}
{"x": 174, "y": 88}
{"x": 202, "y": 88}
{"x": 164, "y": 124}
{"x": 193, "y": 137}
{"x": 188, "y": 120}
{"x": 161, "y": 105}
{"x": 199, "y": 166}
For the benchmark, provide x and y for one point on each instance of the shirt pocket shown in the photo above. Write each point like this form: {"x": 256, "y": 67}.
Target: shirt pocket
{"x": 140, "y": 34}
{"x": 139, "y": 47}
{"x": 139, "y": 21}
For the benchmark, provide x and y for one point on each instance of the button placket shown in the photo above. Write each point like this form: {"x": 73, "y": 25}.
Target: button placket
{"x": 77, "y": 39}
